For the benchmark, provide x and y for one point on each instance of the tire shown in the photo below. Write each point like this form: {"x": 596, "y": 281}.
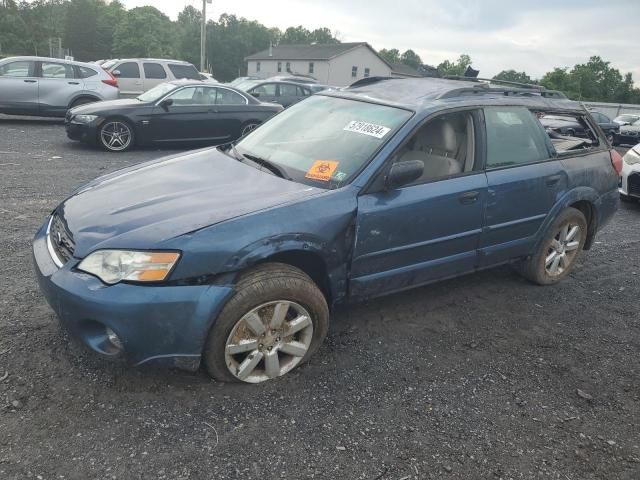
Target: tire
{"x": 124, "y": 140}
{"x": 562, "y": 254}
{"x": 260, "y": 294}
{"x": 248, "y": 127}
{"x": 83, "y": 101}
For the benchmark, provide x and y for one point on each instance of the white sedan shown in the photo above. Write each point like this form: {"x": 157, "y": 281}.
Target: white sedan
{"x": 630, "y": 182}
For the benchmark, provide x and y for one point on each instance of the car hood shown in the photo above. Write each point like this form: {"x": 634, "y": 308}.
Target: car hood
{"x": 145, "y": 205}
{"x": 99, "y": 107}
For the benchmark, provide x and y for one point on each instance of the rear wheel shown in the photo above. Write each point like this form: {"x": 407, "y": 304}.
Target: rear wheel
{"x": 275, "y": 321}
{"x": 559, "y": 250}
{"x": 116, "y": 135}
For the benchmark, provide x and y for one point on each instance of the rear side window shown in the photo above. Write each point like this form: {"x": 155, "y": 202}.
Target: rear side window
{"x": 288, "y": 90}
{"x": 303, "y": 92}
{"x": 267, "y": 89}
{"x": 128, "y": 70}
{"x": 17, "y": 69}
{"x": 56, "y": 70}
{"x": 154, "y": 70}
{"x": 514, "y": 137}
{"x": 86, "y": 72}
{"x": 229, "y": 97}
{"x": 184, "y": 71}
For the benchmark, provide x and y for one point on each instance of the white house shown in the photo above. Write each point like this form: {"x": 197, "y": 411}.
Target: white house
{"x": 337, "y": 64}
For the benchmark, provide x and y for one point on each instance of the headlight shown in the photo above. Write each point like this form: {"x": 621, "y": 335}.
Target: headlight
{"x": 84, "y": 118}
{"x": 113, "y": 266}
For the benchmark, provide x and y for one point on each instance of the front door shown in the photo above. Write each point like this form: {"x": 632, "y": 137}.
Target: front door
{"x": 19, "y": 87}
{"x": 429, "y": 229}
{"x": 525, "y": 181}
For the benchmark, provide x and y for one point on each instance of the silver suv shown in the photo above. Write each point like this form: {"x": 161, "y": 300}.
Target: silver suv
{"x": 48, "y": 87}
{"x": 137, "y": 75}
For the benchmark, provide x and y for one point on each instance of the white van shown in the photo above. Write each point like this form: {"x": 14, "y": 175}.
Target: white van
{"x": 137, "y": 75}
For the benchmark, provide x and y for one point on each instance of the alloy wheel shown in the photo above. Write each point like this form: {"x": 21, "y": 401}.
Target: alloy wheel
{"x": 268, "y": 341}
{"x": 562, "y": 249}
{"x": 116, "y": 136}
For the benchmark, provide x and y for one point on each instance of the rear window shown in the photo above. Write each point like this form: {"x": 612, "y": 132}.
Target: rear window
{"x": 184, "y": 71}
{"x": 86, "y": 72}
{"x": 154, "y": 70}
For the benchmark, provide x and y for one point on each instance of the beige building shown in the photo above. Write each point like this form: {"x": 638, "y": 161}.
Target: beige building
{"x": 337, "y": 64}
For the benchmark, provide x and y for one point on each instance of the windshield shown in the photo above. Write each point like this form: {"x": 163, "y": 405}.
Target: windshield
{"x": 157, "y": 92}
{"x": 324, "y": 141}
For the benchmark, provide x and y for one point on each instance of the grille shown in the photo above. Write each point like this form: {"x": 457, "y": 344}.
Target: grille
{"x": 60, "y": 239}
{"x": 633, "y": 184}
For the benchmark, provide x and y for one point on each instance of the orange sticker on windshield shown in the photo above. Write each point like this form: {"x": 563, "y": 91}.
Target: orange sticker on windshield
{"x": 322, "y": 170}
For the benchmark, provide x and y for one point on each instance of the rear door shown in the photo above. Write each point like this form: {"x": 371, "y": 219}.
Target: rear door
{"x": 288, "y": 94}
{"x": 129, "y": 79}
{"x": 57, "y": 88}
{"x": 231, "y": 112}
{"x": 525, "y": 180}
{"x": 154, "y": 74}
{"x": 19, "y": 87}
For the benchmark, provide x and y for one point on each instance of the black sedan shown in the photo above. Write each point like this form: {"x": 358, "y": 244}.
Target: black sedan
{"x": 283, "y": 93}
{"x": 183, "y": 111}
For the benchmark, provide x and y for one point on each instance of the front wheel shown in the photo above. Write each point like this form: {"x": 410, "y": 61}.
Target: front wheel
{"x": 276, "y": 319}
{"x": 116, "y": 135}
{"x": 559, "y": 250}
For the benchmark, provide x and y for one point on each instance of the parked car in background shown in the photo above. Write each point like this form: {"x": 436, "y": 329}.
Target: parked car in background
{"x": 206, "y": 76}
{"x": 234, "y": 83}
{"x": 567, "y": 125}
{"x": 630, "y": 178}
{"x": 308, "y": 79}
{"x": 237, "y": 256}
{"x": 48, "y": 87}
{"x": 137, "y": 75}
{"x": 283, "y": 93}
{"x": 627, "y": 118}
{"x": 185, "y": 111}
{"x": 629, "y": 134}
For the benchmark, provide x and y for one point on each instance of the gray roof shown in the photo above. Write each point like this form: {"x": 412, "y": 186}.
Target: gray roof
{"x": 324, "y": 51}
{"x": 402, "y": 69}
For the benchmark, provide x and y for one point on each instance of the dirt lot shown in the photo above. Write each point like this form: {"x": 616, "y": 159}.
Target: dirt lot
{"x": 485, "y": 376}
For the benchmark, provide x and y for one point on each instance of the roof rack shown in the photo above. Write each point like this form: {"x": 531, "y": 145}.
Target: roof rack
{"x": 369, "y": 80}
{"x": 484, "y": 87}
{"x": 531, "y": 86}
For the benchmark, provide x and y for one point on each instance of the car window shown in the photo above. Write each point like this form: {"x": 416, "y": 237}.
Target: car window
{"x": 86, "y": 72}
{"x": 17, "y": 69}
{"x": 288, "y": 90}
{"x": 445, "y": 145}
{"x": 128, "y": 70}
{"x": 568, "y": 132}
{"x": 154, "y": 70}
{"x": 324, "y": 141}
{"x": 229, "y": 97}
{"x": 514, "y": 137}
{"x": 194, "y": 96}
{"x": 266, "y": 89}
{"x": 303, "y": 92}
{"x": 56, "y": 70}
{"x": 184, "y": 71}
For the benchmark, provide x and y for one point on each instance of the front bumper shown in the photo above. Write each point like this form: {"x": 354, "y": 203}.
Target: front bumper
{"x": 630, "y": 179}
{"x": 84, "y": 132}
{"x": 154, "y": 323}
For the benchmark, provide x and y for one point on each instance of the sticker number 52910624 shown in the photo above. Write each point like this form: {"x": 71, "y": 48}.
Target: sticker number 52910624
{"x": 366, "y": 128}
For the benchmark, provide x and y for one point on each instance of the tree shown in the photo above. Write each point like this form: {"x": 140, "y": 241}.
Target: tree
{"x": 391, "y": 56}
{"x": 458, "y": 68}
{"x": 411, "y": 58}
{"x": 188, "y": 34}
{"x": 513, "y": 76}
{"x": 81, "y": 27}
{"x": 144, "y": 32}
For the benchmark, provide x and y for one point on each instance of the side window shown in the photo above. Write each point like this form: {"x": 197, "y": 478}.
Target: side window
{"x": 229, "y": 97}
{"x": 288, "y": 90}
{"x": 86, "y": 72}
{"x": 267, "y": 89}
{"x": 128, "y": 70}
{"x": 56, "y": 70}
{"x": 154, "y": 70}
{"x": 569, "y": 133}
{"x": 184, "y": 96}
{"x": 184, "y": 71}
{"x": 445, "y": 144}
{"x": 17, "y": 69}
{"x": 303, "y": 92}
{"x": 514, "y": 137}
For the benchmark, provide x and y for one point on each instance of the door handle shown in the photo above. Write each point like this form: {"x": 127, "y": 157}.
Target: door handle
{"x": 30, "y": 81}
{"x": 73, "y": 83}
{"x": 551, "y": 180}
{"x": 469, "y": 197}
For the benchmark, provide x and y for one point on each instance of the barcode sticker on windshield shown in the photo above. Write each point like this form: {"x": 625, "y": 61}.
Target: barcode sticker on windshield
{"x": 365, "y": 128}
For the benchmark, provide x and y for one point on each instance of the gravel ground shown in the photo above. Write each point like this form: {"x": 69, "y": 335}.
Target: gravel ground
{"x": 485, "y": 376}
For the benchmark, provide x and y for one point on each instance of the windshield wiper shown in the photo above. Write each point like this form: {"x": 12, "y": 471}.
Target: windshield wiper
{"x": 272, "y": 167}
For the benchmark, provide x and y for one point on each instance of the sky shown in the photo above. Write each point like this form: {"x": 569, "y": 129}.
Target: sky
{"x": 531, "y": 36}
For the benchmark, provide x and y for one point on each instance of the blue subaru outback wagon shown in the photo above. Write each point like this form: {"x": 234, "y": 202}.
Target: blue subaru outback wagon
{"x": 237, "y": 255}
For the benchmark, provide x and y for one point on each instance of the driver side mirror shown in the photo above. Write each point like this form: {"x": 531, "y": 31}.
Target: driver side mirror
{"x": 403, "y": 173}
{"x": 166, "y": 103}
{"x": 116, "y": 73}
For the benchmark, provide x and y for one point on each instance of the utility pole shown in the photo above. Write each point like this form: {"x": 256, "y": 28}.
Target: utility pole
{"x": 203, "y": 35}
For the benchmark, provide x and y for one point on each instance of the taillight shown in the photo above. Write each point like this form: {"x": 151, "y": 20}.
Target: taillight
{"x": 113, "y": 81}
{"x": 616, "y": 161}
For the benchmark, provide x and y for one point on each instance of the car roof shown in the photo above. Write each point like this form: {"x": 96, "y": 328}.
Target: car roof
{"x": 50, "y": 59}
{"x": 424, "y": 93}
{"x": 182, "y": 62}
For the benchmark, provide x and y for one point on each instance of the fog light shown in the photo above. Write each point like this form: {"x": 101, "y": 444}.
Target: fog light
{"x": 114, "y": 339}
